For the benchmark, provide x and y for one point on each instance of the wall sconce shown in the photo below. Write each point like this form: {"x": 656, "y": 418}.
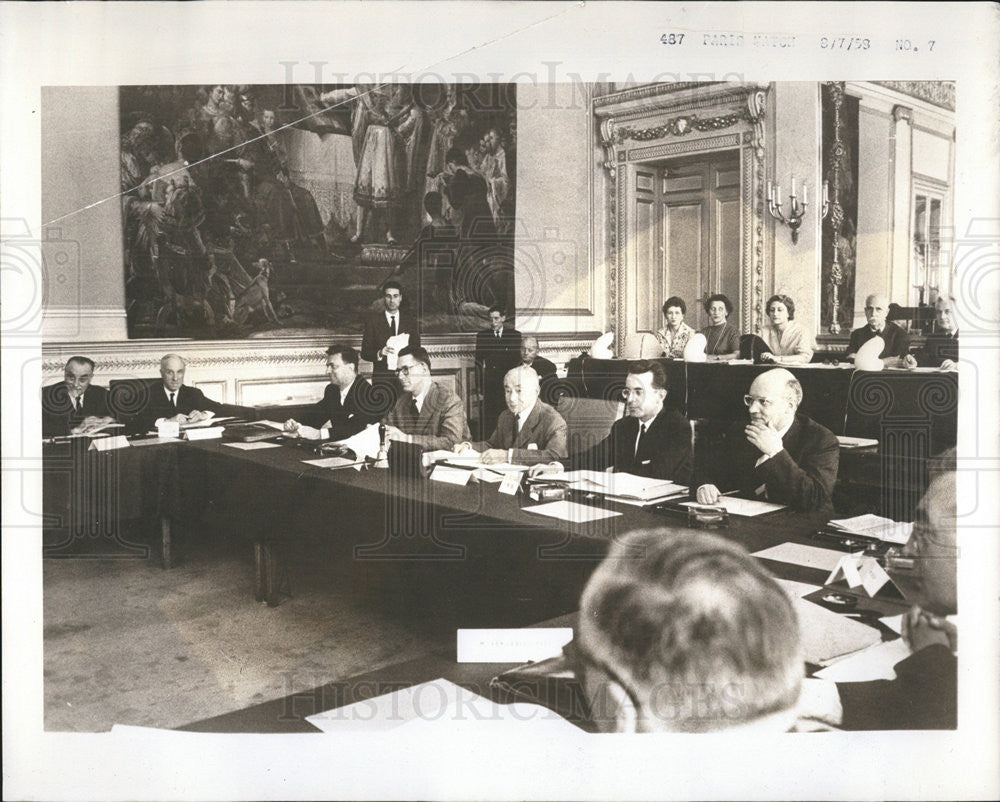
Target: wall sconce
{"x": 796, "y": 207}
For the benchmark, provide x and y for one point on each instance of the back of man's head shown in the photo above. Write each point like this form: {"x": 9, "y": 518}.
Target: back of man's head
{"x": 686, "y": 633}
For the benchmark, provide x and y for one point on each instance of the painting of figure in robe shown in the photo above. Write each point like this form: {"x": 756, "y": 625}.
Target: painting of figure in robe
{"x": 281, "y": 210}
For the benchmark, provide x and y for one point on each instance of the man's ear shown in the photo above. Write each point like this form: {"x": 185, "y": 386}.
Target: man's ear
{"x": 626, "y": 717}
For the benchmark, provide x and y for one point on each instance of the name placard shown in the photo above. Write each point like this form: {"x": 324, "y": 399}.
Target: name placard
{"x": 109, "y": 443}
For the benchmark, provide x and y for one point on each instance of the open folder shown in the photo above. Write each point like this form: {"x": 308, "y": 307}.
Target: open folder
{"x": 619, "y": 484}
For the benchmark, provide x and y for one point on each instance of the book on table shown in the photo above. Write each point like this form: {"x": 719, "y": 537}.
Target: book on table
{"x": 618, "y": 484}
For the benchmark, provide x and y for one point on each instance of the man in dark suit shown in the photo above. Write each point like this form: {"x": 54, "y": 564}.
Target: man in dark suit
{"x": 383, "y": 324}
{"x": 74, "y": 403}
{"x": 349, "y": 403}
{"x": 650, "y": 440}
{"x": 529, "y": 431}
{"x": 498, "y": 349}
{"x": 529, "y": 358}
{"x": 923, "y": 693}
{"x": 779, "y": 456}
{"x": 425, "y": 413}
{"x": 940, "y": 349}
{"x": 897, "y": 341}
{"x": 172, "y": 400}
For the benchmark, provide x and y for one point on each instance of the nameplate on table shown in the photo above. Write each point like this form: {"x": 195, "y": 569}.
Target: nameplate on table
{"x": 109, "y": 443}
{"x": 510, "y": 645}
{"x": 205, "y": 433}
{"x": 452, "y": 476}
{"x": 861, "y": 571}
{"x": 748, "y": 508}
{"x": 511, "y": 484}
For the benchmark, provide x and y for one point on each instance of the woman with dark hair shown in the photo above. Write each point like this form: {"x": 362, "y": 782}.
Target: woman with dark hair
{"x": 675, "y": 335}
{"x": 788, "y": 341}
{"x": 723, "y": 339}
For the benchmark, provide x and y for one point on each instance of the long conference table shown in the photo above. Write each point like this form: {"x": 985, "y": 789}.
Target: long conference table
{"x": 470, "y": 537}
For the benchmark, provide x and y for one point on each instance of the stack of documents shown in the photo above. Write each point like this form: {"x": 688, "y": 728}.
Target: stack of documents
{"x": 625, "y": 486}
{"x": 874, "y": 526}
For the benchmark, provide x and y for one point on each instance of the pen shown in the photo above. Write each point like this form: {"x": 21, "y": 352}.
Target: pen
{"x": 729, "y": 493}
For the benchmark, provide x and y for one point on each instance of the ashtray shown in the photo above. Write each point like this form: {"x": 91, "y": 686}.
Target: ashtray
{"x": 707, "y": 516}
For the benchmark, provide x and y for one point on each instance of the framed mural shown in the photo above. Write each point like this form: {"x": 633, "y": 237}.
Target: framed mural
{"x": 280, "y": 210}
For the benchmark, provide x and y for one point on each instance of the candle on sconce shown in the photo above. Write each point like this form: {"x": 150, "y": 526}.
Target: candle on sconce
{"x": 805, "y": 193}
{"x": 793, "y": 186}
{"x": 826, "y": 192}
{"x": 770, "y": 191}
{"x": 777, "y": 194}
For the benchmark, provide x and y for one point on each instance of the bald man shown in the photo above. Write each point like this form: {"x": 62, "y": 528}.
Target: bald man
{"x": 897, "y": 341}
{"x": 780, "y": 455}
{"x": 529, "y": 431}
{"x": 74, "y": 404}
{"x": 545, "y": 368}
{"x": 173, "y": 400}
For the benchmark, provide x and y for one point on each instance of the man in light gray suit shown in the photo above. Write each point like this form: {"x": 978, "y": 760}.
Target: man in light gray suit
{"x": 529, "y": 431}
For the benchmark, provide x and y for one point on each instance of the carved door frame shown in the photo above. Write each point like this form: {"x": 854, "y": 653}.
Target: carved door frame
{"x": 647, "y": 124}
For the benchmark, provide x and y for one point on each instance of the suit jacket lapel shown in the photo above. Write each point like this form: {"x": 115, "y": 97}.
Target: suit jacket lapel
{"x": 626, "y": 444}
{"x": 426, "y": 409}
{"x": 527, "y": 433}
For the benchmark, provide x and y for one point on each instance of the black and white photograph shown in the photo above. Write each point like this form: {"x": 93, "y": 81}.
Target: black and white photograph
{"x": 391, "y": 416}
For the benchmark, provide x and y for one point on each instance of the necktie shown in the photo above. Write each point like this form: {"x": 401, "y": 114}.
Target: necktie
{"x": 638, "y": 440}
{"x": 78, "y": 403}
{"x": 496, "y": 334}
{"x": 173, "y": 401}
{"x": 392, "y": 327}
{"x": 414, "y": 409}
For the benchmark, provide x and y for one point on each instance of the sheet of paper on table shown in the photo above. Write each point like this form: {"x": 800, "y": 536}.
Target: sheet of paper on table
{"x": 748, "y": 508}
{"x": 855, "y": 442}
{"x": 333, "y": 462}
{"x": 828, "y": 636}
{"x": 253, "y": 446}
{"x": 273, "y": 424}
{"x": 796, "y": 589}
{"x": 211, "y": 420}
{"x": 519, "y": 645}
{"x": 571, "y": 511}
{"x": 799, "y": 554}
{"x": 441, "y": 706}
{"x": 875, "y": 526}
{"x": 154, "y": 441}
{"x": 875, "y": 662}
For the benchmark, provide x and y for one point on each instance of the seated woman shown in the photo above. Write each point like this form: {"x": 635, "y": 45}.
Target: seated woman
{"x": 723, "y": 337}
{"x": 788, "y": 341}
{"x": 675, "y": 335}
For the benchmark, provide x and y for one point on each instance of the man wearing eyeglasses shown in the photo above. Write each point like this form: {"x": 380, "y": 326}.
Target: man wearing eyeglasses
{"x": 425, "y": 413}
{"x": 923, "y": 693}
{"x": 780, "y": 456}
{"x": 650, "y": 440}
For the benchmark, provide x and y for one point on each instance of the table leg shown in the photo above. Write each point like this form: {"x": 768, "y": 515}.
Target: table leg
{"x": 167, "y": 553}
{"x": 259, "y": 572}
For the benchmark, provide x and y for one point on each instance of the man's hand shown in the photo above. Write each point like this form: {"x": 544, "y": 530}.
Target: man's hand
{"x": 493, "y": 456}
{"x": 763, "y": 438}
{"x": 387, "y": 351}
{"x": 819, "y": 700}
{"x": 461, "y": 447}
{"x": 949, "y": 364}
{"x": 398, "y": 435}
{"x": 767, "y": 356}
{"x": 707, "y": 494}
{"x": 196, "y": 415}
{"x": 545, "y": 467}
{"x": 908, "y": 361}
{"x": 921, "y": 629}
{"x": 291, "y": 426}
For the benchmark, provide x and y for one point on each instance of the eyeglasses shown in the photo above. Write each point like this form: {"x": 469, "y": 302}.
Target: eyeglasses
{"x": 406, "y": 370}
{"x": 765, "y": 403}
{"x": 628, "y": 392}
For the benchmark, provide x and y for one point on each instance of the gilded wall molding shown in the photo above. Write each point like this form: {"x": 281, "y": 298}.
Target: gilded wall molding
{"x": 937, "y": 93}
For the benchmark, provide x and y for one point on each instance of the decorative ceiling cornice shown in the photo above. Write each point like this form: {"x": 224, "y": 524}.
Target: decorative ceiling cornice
{"x": 938, "y": 93}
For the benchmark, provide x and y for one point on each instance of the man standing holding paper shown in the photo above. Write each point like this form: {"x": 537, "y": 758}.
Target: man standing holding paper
{"x": 529, "y": 431}
{"x": 780, "y": 456}
{"x": 379, "y": 344}
{"x": 649, "y": 441}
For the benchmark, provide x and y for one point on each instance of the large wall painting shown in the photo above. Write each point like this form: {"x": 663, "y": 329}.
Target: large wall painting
{"x": 280, "y": 210}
